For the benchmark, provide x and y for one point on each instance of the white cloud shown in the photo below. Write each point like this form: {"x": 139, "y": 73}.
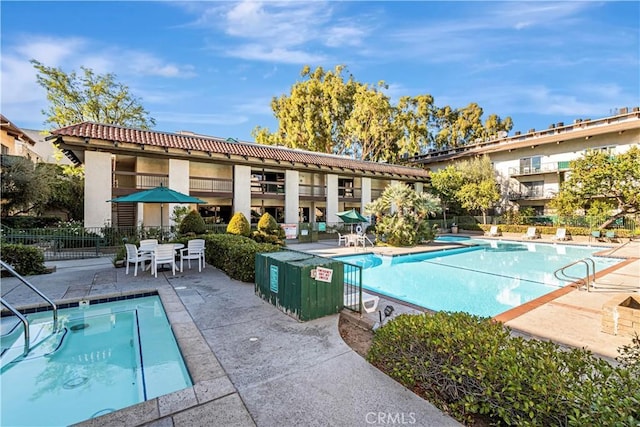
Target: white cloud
{"x": 275, "y": 54}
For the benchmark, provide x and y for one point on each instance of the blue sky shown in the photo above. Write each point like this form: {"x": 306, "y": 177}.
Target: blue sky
{"x": 212, "y": 67}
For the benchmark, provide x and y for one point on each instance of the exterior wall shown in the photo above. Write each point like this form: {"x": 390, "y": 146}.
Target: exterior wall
{"x": 366, "y": 193}
{"x": 210, "y": 170}
{"x": 553, "y": 159}
{"x": 242, "y": 190}
{"x": 152, "y": 165}
{"x": 332, "y": 198}
{"x": 9, "y": 143}
{"x": 97, "y": 189}
{"x": 178, "y": 181}
{"x": 291, "y": 180}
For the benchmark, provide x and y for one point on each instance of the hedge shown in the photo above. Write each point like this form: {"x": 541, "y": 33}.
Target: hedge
{"x": 26, "y": 260}
{"x": 472, "y": 367}
{"x": 573, "y": 231}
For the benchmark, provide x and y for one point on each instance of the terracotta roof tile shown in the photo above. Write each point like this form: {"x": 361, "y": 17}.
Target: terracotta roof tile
{"x": 217, "y": 145}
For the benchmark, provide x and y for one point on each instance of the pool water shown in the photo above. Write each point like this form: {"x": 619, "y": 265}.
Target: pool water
{"x": 105, "y": 357}
{"x": 485, "y": 280}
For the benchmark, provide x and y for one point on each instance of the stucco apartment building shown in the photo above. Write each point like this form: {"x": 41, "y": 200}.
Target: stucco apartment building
{"x": 530, "y": 167}
{"x": 16, "y": 142}
{"x": 231, "y": 176}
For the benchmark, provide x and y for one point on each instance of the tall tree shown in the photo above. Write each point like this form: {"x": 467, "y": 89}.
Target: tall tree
{"x": 312, "y": 117}
{"x": 458, "y": 127}
{"x": 601, "y": 175}
{"x": 91, "y": 97}
{"x": 471, "y": 182}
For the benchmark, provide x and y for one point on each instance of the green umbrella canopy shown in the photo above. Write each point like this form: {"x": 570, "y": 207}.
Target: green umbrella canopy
{"x": 160, "y": 194}
{"x": 351, "y": 217}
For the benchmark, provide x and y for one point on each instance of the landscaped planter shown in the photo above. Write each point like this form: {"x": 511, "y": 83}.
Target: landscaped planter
{"x": 621, "y": 316}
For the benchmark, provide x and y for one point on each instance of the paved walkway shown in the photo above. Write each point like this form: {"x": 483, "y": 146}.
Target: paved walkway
{"x": 251, "y": 363}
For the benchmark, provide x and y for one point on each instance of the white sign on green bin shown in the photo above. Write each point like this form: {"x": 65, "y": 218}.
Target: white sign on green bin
{"x": 273, "y": 279}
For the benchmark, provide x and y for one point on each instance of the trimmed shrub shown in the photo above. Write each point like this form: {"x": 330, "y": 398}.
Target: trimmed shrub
{"x": 239, "y": 225}
{"x": 269, "y": 231}
{"x": 472, "y": 367}
{"x": 192, "y": 223}
{"x": 235, "y": 255}
{"x": 26, "y": 260}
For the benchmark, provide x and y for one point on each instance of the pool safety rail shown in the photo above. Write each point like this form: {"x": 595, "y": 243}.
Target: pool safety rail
{"x": 22, "y": 318}
{"x": 588, "y": 282}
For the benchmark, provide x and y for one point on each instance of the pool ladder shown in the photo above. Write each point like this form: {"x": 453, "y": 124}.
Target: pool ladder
{"x": 23, "y": 319}
{"x": 584, "y": 282}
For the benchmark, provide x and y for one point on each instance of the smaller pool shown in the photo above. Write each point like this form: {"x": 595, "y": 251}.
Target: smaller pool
{"x": 105, "y": 357}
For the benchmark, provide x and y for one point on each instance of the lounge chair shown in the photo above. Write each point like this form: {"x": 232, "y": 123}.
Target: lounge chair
{"x": 532, "y": 233}
{"x": 369, "y": 302}
{"x": 561, "y": 235}
{"x": 493, "y": 232}
{"x": 596, "y": 235}
{"x": 610, "y": 236}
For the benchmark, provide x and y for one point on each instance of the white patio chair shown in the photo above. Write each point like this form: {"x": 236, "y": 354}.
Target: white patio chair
{"x": 134, "y": 256}
{"x": 342, "y": 238}
{"x": 148, "y": 244}
{"x": 194, "y": 250}
{"x": 164, "y": 254}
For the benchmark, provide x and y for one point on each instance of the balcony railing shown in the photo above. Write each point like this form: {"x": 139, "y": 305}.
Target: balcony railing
{"x": 211, "y": 185}
{"x": 267, "y": 187}
{"x": 543, "y": 168}
{"x": 312, "y": 190}
{"x": 349, "y": 193}
{"x": 137, "y": 180}
{"x": 531, "y": 194}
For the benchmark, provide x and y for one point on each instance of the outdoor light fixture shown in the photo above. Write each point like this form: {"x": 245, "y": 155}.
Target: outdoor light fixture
{"x": 388, "y": 310}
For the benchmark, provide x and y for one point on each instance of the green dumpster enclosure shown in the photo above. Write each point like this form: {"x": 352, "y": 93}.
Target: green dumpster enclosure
{"x": 302, "y": 285}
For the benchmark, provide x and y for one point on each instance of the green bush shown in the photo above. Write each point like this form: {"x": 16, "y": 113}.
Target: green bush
{"x": 235, "y": 255}
{"x": 269, "y": 231}
{"x": 472, "y": 367}
{"x": 192, "y": 223}
{"x": 26, "y": 260}
{"x": 239, "y": 225}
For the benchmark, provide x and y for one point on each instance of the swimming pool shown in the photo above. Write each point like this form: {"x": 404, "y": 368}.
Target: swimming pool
{"x": 106, "y": 357}
{"x": 486, "y": 279}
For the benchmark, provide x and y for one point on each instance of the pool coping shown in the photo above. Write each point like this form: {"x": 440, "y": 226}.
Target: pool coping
{"x": 210, "y": 381}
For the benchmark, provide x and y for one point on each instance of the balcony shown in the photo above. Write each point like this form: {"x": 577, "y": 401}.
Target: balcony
{"x": 532, "y": 194}
{"x": 210, "y": 186}
{"x": 270, "y": 188}
{"x": 551, "y": 167}
{"x": 312, "y": 191}
{"x": 349, "y": 193}
{"x": 128, "y": 182}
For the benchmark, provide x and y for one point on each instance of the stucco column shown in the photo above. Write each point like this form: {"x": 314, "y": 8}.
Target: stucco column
{"x": 291, "y": 196}
{"x": 97, "y": 189}
{"x": 242, "y": 190}
{"x": 178, "y": 181}
{"x": 332, "y": 198}
{"x": 366, "y": 193}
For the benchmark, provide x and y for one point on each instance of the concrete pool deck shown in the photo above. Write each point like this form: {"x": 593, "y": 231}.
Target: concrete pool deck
{"x": 254, "y": 365}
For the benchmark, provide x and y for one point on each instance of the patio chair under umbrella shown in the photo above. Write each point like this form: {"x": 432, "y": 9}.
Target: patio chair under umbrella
{"x": 160, "y": 195}
{"x": 351, "y": 217}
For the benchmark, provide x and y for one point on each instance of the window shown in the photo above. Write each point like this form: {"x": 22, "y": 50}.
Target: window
{"x": 345, "y": 187}
{"x": 5, "y": 149}
{"x": 530, "y": 164}
{"x": 534, "y": 189}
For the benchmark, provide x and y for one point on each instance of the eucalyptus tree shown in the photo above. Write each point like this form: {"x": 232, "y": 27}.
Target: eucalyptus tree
{"x": 91, "y": 97}
{"x": 312, "y": 117}
{"x": 463, "y": 126}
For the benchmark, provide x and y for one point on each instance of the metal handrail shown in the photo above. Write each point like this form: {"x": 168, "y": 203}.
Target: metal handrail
{"x": 25, "y": 323}
{"x": 33, "y": 288}
{"x": 589, "y": 276}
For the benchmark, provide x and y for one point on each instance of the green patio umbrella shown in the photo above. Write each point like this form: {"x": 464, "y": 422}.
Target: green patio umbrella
{"x": 160, "y": 195}
{"x": 351, "y": 217}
